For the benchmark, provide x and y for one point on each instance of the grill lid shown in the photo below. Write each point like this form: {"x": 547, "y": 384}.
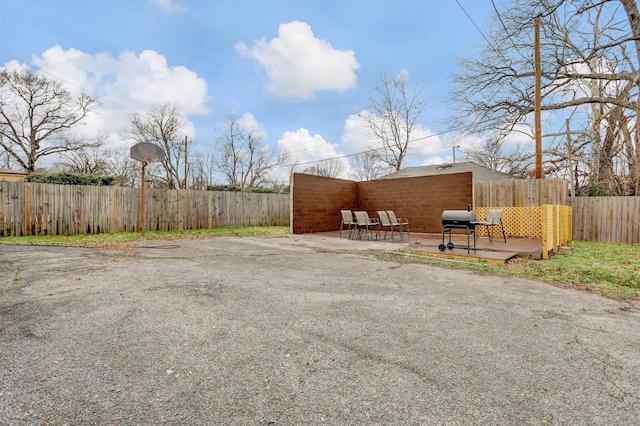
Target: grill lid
{"x": 453, "y": 217}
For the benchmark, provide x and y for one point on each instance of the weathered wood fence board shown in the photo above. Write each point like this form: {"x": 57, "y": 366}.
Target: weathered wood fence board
{"x": 47, "y": 209}
{"x": 521, "y": 193}
{"x": 607, "y": 219}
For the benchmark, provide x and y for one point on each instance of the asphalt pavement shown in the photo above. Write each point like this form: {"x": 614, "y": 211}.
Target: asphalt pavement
{"x": 300, "y": 330}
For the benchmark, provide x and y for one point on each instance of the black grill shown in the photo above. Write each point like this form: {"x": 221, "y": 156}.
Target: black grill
{"x": 459, "y": 219}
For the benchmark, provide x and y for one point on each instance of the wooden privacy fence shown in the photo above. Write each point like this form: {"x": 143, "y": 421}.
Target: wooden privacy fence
{"x": 47, "y": 209}
{"x": 607, "y": 219}
{"x": 521, "y": 192}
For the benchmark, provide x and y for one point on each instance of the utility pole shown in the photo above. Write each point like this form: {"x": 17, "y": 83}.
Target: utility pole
{"x": 185, "y": 162}
{"x": 538, "y": 126}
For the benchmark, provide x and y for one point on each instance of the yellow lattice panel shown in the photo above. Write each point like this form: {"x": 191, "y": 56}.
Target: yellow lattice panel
{"x": 552, "y": 223}
{"x": 517, "y": 221}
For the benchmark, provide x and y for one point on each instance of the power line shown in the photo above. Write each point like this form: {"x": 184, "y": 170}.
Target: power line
{"x": 376, "y": 149}
{"x": 474, "y": 24}
{"x": 513, "y": 43}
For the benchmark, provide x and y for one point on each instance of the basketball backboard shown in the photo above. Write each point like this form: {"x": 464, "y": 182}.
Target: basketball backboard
{"x": 147, "y": 152}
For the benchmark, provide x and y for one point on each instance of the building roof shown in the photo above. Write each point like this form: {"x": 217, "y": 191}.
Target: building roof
{"x": 480, "y": 173}
{"x": 12, "y": 172}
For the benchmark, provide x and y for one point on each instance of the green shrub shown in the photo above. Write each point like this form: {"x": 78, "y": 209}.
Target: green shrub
{"x": 64, "y": 178}
{"x": 229, "y": 188}
{"x": 262, "y": 190}
{"x": 597, "y": 189}
{"x": 233, "y": 188}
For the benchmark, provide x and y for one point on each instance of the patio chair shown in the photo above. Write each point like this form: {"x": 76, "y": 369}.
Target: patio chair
{"x": 386, "y": 223}
{"x": 347, "y": 219}
{"x": 401, "y": 222}
{"x": 494, "y": 218}
{"x": 364, "y": 222}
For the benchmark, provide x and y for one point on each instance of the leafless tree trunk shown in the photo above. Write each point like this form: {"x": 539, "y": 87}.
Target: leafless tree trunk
{"x": 163, "y": 126}
{"x": 367, "y": 166}
{"x": 202, "y": 170}
{"x": 36, "y": 116}
{"x": 242, "y": 158}
{"x": 120, "y": 164}
{"x": 396, "y": 108}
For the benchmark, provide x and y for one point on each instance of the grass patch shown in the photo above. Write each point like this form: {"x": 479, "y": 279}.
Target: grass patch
{"x": 116, "y": 240}
{"x": 612, "y": 270}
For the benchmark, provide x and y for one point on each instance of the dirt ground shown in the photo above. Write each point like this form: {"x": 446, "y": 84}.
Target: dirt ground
{"x": 301, "y": 330}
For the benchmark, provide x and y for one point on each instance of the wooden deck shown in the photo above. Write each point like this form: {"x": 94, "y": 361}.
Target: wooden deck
{"x": 496, "y": 252}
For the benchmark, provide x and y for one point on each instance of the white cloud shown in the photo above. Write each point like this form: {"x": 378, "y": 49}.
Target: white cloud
{"x": 303, "y": 149}
{"x": 356, "y": 136}
{"x": 125, "y": 84}
{"x": 248, "y": 122}
{"x": 299, "y": 64}
{"x": 169, "y": 6}
{"x": 14, "y": 65}
{"x": 521, "y": 136}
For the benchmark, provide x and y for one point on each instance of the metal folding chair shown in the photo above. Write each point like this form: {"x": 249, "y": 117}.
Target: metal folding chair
{"x": 363, "y": 221}
{"x": 494, "y": 218}
{"x": 385, "y": 222}
{"x": 401, "y": 222}
{"x": 347, "y": 219}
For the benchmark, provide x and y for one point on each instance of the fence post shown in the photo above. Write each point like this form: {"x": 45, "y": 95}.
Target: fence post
{"x": 545, "y": 233}
{"x": 26, "y": 218}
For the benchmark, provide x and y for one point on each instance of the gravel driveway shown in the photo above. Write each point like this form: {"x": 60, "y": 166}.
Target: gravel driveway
{"x": 291, "y": 331}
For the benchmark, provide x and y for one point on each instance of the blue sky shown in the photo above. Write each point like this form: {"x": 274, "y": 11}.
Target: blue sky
{"x": 300, "y": 71}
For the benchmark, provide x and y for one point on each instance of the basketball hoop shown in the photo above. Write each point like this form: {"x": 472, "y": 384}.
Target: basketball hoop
{"x": 147, "y": 153}
{"x": 150, "y": 158}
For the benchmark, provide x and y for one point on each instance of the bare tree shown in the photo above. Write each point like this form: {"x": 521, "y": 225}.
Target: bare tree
{"x": 367, "y": 166}
{"x": 163, "y": 126}
{"x": 119, "y": 163}
{"x": 202, "y": 170}
{"x": 89, "y": 159}
{"x": 491, "y": 154}
{"x": 328, "y": 168}
{"x": 396, "y": 108}
{"x": 243, "y": 159}
{"x": 36, "y": 115}
{"x": 589, "y": 60}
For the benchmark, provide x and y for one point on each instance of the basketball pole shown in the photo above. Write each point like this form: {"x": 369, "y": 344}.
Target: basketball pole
{"x": 144, "y": 164}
